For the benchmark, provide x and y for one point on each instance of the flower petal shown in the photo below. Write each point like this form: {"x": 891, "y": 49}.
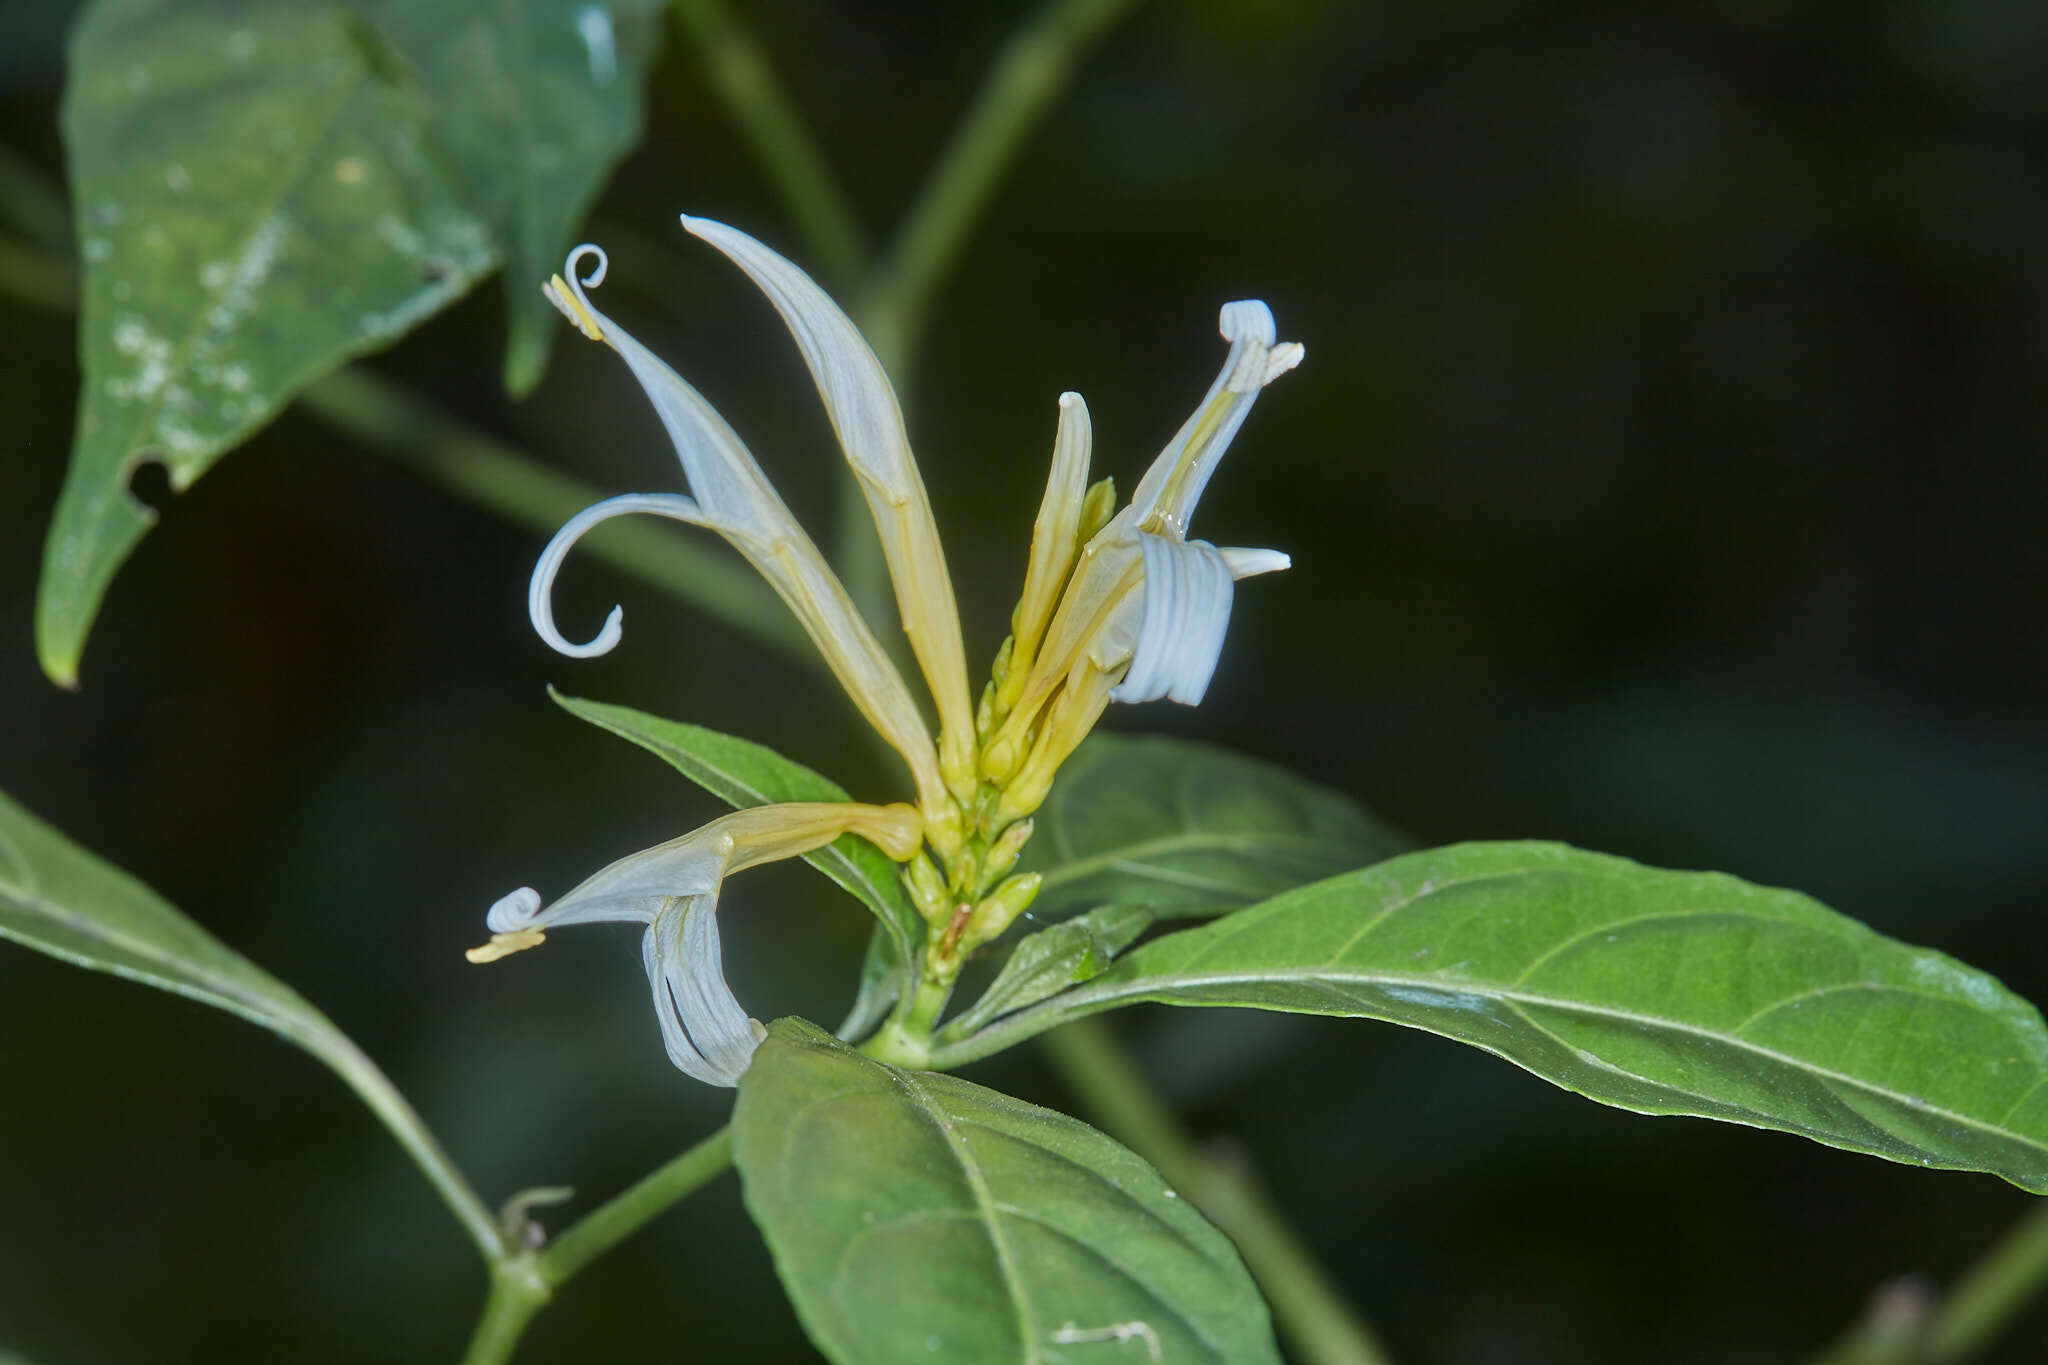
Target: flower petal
{"x": 734, "y": 498}
{"x": 1053, "y": 545}
{"x": 703, "y": 1029}
{"x": 1187, "y": 608}
{"x": 540, "y": 589}
{"x": 1166, "y": 496}
{"x": 869, "y": 423}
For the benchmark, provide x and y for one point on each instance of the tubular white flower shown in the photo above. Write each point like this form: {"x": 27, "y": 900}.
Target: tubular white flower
{"x": 1171, "y": 646}
{"x": 734, "y": 498}
{"x": 673, "y": 889}
{"x": 869, "y": 423}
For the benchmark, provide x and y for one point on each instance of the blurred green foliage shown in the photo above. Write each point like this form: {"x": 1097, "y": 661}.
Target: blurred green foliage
{"x": 1664, "y": 476}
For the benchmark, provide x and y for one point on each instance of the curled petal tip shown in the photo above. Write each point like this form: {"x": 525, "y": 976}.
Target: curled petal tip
{"x": 1247, "y": 319}
{"x": 510, "y": 914}
{"x": 539, "y": 592}
{"x": 567, "y": 293}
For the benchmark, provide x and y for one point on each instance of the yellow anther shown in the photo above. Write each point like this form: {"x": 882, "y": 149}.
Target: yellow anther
{"x": 569, "y": 306}
{"x": 504, "y": 945}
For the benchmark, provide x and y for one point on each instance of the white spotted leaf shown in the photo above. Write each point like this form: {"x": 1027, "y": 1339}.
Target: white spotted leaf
{"x": 257, "y": 200}
{"x": 534, "y": 102}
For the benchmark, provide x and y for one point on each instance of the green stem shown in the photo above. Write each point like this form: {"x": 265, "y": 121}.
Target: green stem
{"x": 1028, "y": 75}
{"x": 507, "y": 481}
{"x": 516, "y": 1295}
{"x": 376, "y": 1090}
{"x": 524, "y": 1283}
{"x": 1993, "y": 1291}
{"x": 1906, "y": 1325}
{"x": 739, "y": 72}
{"x": 1321, "y": 1327}
{"x": 611, "y": 1223}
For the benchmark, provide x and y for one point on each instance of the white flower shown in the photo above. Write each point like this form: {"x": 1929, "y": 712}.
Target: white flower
{"x": 673, "y": 889}
{"x": 1144, "y": 610}
{"x": 734, "y": 498}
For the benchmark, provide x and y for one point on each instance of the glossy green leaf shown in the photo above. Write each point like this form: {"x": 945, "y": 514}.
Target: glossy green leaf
{"x": 920, "y": 1217}
{"x": 534, "y": 102}
{"x": 1660, "y": 992}
{"x": 1047, "y": 962}
{"x": 742, "y": 773}
{"x": 256, "y": 203}
{"x": 61, "y": 900}
{"x": 1188, "y": 828}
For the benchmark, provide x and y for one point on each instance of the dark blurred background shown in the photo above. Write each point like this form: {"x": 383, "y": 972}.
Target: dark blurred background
{"x": 1665, "y": 476}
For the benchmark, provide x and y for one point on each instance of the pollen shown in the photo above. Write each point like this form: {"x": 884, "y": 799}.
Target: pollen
{"x": 569, "y": 306}
{"x": 504, "y": 945}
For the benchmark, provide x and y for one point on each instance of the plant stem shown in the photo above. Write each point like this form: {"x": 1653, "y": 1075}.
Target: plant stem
{"x": 611, "y": 1223}
{"x": 516, "y": 1295}
{"x": 1906, "y": 1325}
{"x": 1993, "y": 1291}
{"x": 1028, "y": 75}
{"x": 740, "y": 73}
{"x": 376, "y": 1090}
{"x": 525, "y": 492}
{"x": 1321, "y": 1327}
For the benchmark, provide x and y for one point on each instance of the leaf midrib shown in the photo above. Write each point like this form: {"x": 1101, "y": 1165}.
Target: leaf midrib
{"x": 1088, "y": 999}
{"x": 986, "y": 1202}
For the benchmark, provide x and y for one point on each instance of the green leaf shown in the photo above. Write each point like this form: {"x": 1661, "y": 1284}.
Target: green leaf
{"x": 1047, "y": 962}
{"x": 1659, "y": 992}
{"x": 742, "y": 773}
{"x": 534, "y": 103}
{"x": 1189, "y": 828}
{"x": 918, "y": 1217}
{"x": 255, "y": 205}
{"x": 59, "y": 899}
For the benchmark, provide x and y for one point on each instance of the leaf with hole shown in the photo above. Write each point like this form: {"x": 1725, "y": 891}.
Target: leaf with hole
{"x": 1188, "y": 828}
{"x": 1661, "y": 992}
{"x": 256, "y": 202}
{"x": 915, "y": 1216}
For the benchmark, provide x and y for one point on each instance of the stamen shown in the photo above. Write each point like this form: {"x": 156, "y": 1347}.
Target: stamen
{"x": 539, "y": 591}
{"x": 568, "y": 296}
{"x": 504, "y": 945}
